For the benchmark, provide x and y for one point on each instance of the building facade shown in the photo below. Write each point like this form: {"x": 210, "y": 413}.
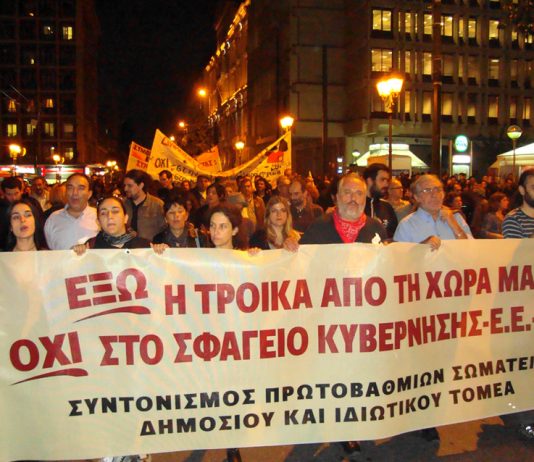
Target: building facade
{"x": 48, "y": 79}
{"x": 320, "y": 61}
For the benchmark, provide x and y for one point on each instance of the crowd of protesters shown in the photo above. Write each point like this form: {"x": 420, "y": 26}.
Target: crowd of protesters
{"x": 248, "y": 212}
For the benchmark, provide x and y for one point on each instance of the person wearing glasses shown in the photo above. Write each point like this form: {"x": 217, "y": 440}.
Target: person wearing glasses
{"x": 432, "y": 222}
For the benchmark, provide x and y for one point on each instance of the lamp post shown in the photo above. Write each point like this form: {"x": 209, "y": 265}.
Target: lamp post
{"x": 389, "y": 90}
{"x": 15, "y": 151}
{"x": 514, "y": 132}
{"x": 239, "y": 145}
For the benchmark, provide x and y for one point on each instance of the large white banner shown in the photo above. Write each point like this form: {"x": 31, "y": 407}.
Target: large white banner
{"x": 124, "y": 352}
{"x": 269, "y": 163}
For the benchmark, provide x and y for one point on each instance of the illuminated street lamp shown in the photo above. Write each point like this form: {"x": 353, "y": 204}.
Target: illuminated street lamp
{"x": 16, "y": 151}
{"x": 514, "y": 132}
{"x": 239, "y": 145}
{"x": 202, "y": 92}
{"x": 172, "y": 138}
{"x": 389, "y": 90}
{"x": 286, "y": 122}
{"x": 58, "y": 160}
{"x": 181, "y": 124}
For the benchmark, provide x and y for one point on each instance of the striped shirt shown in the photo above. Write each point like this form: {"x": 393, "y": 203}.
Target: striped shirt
{"x": 518, "y": 225}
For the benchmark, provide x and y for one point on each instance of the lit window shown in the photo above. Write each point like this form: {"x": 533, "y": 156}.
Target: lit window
{"x": 526, "y": 108}
{"x": 427, "y": 63}
{"x": 11, "y": 130}
{"x": 68, "y": 129}
{"x": 48, "y": 30}
{"x": 448, "y": 65}
{"x": 493, "y": 72}
{"x": 407, "y": 62}
{"x": 407, "y": 105}
{"x": 446, "y": 26}
{"x": 493, "y": 29}
{"x": 67, "y": 32}
{"x": 69, "y": 153}
{"x": 515, "y": 36}
{"x": 12, "y": 106}
{"x": 513, "y": 107}
{"x": 427, "y": 24}
{"x": 382, "y": 20}
{"x": 408, "y": 22}
{"x": 446, "y": 107}
{"x": 471, "y": 105}
{"x": 381, "y": 60}
{"x": 427, "y": 102}
{"x": 30, "y": 129}
{"x": 49, "y": 128}
{"x": 493, "y": 106}
{"x": 472, "y": 28}
{"x": 49, "y": 103}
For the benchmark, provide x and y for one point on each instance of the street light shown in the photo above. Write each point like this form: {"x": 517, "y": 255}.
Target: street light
{"x": 15, "y": 151}
{"x": 286, "y": 122}
{"x": 389, "y": 90}
{"x": 514, "y": 132}
{"x": 202, "y": 92}
{"x": 239, "y": 145}
{"x": 181, "y": 124}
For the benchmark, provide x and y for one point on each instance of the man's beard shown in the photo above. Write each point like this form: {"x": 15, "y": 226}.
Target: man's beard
{"x": 528, "y": 199}
{"x": 377, "y": 193}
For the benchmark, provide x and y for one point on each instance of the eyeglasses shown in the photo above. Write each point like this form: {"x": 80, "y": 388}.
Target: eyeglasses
{"x": 434, "y": 190}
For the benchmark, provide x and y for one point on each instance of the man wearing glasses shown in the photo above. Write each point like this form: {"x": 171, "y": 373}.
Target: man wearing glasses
{"x": 432, "y": 222}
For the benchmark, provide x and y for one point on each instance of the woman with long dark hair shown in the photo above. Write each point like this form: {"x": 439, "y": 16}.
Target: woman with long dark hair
{"x": 26, "y": 230}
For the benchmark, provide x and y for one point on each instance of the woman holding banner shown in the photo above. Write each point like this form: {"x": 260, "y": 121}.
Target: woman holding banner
{"x": 25, "y": 228}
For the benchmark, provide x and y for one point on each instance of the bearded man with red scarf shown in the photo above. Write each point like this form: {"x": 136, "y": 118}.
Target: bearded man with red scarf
{"x": 348, "y": 223}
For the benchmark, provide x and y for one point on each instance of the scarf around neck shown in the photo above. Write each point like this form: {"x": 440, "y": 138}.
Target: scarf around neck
{"x": 348, "y": 230}
{"x": 118, "y": 241}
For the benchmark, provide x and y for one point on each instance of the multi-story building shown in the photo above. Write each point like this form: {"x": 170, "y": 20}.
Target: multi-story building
{"x": 48, "y": 79}
{"x": 321, "y": 60}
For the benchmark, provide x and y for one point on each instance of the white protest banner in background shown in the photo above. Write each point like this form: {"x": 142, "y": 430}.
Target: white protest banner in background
{"x": 127, "y": 352}
{"x": 210, "y": 160}
{"x": 167, "y": 155}
{"x": 138, "y": 157}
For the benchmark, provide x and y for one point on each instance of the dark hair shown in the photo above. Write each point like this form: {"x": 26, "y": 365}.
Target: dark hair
{"x": 219, "y": 189}
{"x": 115, "y": 198}
{"x": 233, "y": 214}
{"x": 38, "y": 237}
{"x": 138, "y": 176}
{"x": 268, "y": 186}
{"x": 301, "y": 182}
{"x": 494, "y": 201}
{"x": 168, "y": 174}
{"x": 449, "y": 198}
{"x": 372, "y": 171}
{"x": 81, "y": 175}
{"x": 523, "y": 178}
{"x": 38, "y": 177}
{"x": 178, "y": 200}
{"x": 12, "y": 182}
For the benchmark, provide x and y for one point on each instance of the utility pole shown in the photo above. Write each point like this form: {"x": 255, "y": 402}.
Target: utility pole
{"x": 436, "y": 85}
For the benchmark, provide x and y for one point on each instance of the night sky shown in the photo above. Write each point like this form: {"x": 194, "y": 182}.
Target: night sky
{"x": 151, "y": 53}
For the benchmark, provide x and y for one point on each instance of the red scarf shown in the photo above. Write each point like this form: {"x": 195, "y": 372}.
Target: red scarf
{"x": 348, "y": 230}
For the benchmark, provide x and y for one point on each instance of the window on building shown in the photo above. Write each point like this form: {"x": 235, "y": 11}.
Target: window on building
{"x": 427, "y": 24}
{"x": 515, "y": 39}
{"x": 471, "y": 105}
{"x": 526, "y": 108}
{"x": 493, "y": 31}
{"x": 446, "y": 104}
{"x": 446, "y": 26}
{"x": 67, "y": 33}
{"x": 407, "y": 102}
{"x": 11, "y": 105}
{"x": 49, "y": 129}
{"x": 49, "y": 103}
{"x": 28, "y": 55}
{"x": 493, "y": 106}
{"x": 68, "y": 129}
{"x": 30, "y": 129}
{"x": 69, "y": 152}
{"x": 12, "y": 130}
{"x": 472, "y": 30}
{"x": 513, "y": 107}
{"x": 448, "y": 65}
{"x": 473, "y": 70}
{"x": 409, "y": 23}
{"x": 427, "y": 103}
{"x": 514, "y": 71}
{"x": 382, "y": 20}
{"x": 381, "y": 60}
{"x": 407, "y": 62}
{"x": 493, "y": 71}
{"x": 48, "y": 30}
{"x": 427, "y": 63}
